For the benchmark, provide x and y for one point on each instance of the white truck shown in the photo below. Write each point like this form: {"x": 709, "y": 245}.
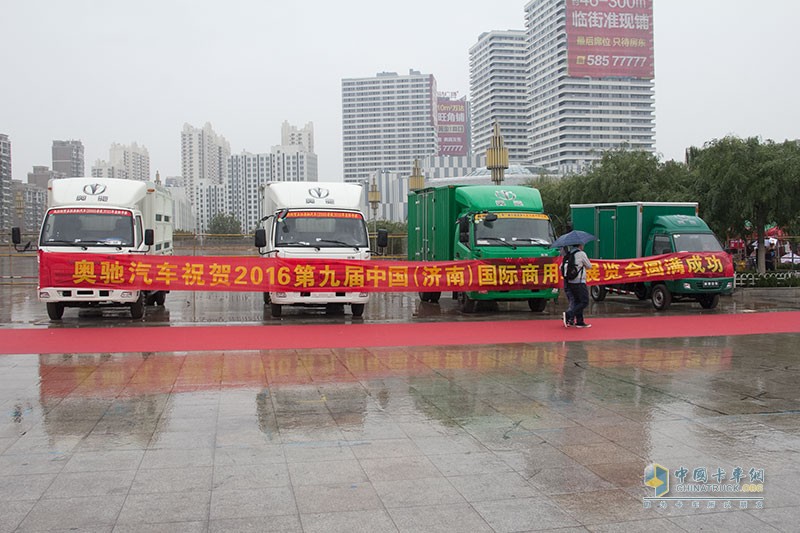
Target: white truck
{"x": 314, "y": 220}
{"x": 105, "y": 216}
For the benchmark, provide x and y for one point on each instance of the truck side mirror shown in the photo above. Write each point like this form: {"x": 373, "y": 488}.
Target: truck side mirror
{"x": 383, "y": 238}
{"x": 16, "y": 236}
{"x": 261, "y": 238}
{"x": 463, "y": 225}
{"x": 149, "y": 237}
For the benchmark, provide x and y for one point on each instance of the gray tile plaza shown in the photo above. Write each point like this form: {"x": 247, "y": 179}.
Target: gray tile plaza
{"x": 502, "y": 437}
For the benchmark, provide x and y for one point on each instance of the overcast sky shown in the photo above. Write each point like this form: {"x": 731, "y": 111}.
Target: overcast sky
{"x": 106, "y": 71}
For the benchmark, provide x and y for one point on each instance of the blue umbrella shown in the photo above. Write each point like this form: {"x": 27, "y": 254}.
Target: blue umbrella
{"x": 573, "y": 238}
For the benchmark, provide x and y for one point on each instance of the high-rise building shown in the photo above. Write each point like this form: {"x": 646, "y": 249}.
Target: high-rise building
{"x": 498, "y": 80}
{"x": 591, "y": 80}
{"x": 204, "y": 166}
{"x": 68, "y": 158}
{"x": 293, "y": 136}
{"x": 387, "y": 121}
{"x": 125, "y": 162}
{"x": 5, "y": 182}
{"x": 30, "y": 202}
{"x": 42, "y": 175}
{"x": 247, "y": 173}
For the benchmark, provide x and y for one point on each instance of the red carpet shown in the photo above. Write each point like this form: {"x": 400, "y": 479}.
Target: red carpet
{"x": 201, "y": 338}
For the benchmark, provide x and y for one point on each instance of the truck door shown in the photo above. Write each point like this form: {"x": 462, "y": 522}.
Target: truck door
{"x": 607, "y": 227}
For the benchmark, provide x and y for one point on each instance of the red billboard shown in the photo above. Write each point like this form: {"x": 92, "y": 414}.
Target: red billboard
{"x": 610, "y": 38}
{"x": 451, "y": 116}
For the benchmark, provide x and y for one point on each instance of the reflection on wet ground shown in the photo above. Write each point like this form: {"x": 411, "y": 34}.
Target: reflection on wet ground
{"x": 491, "y": 438}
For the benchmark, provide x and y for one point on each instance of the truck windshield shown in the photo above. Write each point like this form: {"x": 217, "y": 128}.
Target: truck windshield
{"x": 328, "y": 229}
{"x": 517, "y": 229}
{"x": 696, "y": 242}
{"x": 82, "y": 226}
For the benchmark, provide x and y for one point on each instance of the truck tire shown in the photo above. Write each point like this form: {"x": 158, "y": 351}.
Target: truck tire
{"x": 266, "y": 298}
{"x": 467, "y": 303}
{"x": 357, "y": 310}
{"x": 598, "y": 293}
{"x": 640, "y": 290}
{"x": 137, "y": 308}
{"x": 161, "y": 298}
{"x": 661, "y": 297}
{"x": 55, "y": 310}
{"x": 709, "y": 301}
{"x": 275, "y": 310}
{"x": 432, "y": 297}
{"x": 537, "y": 305}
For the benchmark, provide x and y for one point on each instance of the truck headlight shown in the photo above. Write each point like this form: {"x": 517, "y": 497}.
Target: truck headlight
{"x": 44, "y": 295}
{"x": 687, "y": 286}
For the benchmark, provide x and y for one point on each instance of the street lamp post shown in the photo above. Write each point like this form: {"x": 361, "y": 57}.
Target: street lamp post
{"x": 374, "y": 198}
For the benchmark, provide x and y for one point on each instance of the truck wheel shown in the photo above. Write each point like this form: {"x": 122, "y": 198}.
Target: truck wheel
{"x": 432, "y": 297}
{"x": 537, "y": 305}
{"x": 598, "y": 293}
{"x": 266, "y": 298}
{"x": 661, "y": 297}
{"x": 137, "y": 308}
{"x": 709, "y": 301}
{"x": 640, "y": 290}
{"x": 150, "y": 299}
{"x": 161, "y": 298}
{"x": 357, "y": 310}
{"x": 55, "y": 310}
{"x": 467, "y": 303}
{"x": 276, "y": 310}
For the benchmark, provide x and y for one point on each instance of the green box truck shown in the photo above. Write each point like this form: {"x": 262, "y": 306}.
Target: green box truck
{"x": 462, "y": 222}
{"x": 641, "y": 229}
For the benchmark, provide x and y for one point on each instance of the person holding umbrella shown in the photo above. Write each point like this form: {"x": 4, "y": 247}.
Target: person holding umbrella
{"x": 575, "y": 285}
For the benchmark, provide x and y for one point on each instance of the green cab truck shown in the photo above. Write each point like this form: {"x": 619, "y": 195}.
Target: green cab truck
{"x": 463, "y": 222}
{"x": 631, "y": 230}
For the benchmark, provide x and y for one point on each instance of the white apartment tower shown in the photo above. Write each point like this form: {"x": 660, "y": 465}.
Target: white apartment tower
{"x": 6, "y": 202}
{"x": 124, "y": 161}
{"x": 292, "y": 136}
{"x": 498, "y": 76}
{"x": 591, "y": 80}
{"x": 204, "y": 167}
{"x": 387, "y": 121}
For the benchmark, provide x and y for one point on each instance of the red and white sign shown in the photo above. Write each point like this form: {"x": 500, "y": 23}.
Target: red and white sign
{"x": 610, "y": 38}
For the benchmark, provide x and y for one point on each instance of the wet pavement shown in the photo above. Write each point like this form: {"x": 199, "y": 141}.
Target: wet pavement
{"x": 509, "y": 437}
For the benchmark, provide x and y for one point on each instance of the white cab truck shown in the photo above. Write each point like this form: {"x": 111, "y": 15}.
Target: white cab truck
{"x": 105, "y": 216}
{"x": 314, "y": 220}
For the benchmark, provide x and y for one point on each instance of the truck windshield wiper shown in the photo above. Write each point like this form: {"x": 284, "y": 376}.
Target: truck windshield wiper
{"x": 342, "y": 243}
{"x": 497, "y": 239}
{"x": 535, "y": 240}
{"x": 293, "y": 243}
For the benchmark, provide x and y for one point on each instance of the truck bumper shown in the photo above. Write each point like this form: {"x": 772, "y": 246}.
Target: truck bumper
{"x": 701, "y": 286}
{"x": 72, "y": 297}
{"x": 318, "y": 298}
{"x": 505, "y": 296}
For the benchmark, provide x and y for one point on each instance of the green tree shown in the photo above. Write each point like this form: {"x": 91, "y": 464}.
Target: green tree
{"x": 224, "y": 224}
{"x": 742, "y": 180}
{"x": 619, "y": 176}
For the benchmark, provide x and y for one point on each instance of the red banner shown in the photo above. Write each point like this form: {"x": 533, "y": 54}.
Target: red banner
{"x": 259, "y": 274}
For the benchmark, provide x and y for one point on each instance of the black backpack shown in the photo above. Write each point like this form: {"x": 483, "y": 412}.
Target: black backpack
{"x": 569, "y": 270}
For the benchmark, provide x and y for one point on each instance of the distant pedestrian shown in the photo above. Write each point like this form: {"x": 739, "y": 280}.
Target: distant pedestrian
{"x": 575, "y": 287}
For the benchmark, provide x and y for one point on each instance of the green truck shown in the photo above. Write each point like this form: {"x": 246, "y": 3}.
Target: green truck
{"x": 641, "y": 229}
{"x": 462, "y": 222}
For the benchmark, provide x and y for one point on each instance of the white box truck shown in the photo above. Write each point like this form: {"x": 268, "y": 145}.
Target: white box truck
{"x": 313, "y": 220}
{"x": 105, "y": 216}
